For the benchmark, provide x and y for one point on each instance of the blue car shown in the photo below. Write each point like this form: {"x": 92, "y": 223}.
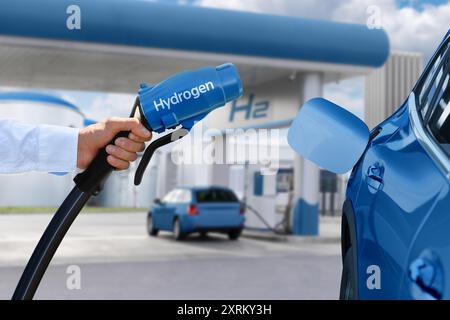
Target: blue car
{"x": 396, "y": 217}
{"x": 187, "y": 210}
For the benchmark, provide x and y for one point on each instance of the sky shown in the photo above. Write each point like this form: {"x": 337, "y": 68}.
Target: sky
{"x": 412, "y": 25}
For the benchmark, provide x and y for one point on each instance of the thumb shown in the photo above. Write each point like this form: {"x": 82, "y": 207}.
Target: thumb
{"x": 128, "y": 124}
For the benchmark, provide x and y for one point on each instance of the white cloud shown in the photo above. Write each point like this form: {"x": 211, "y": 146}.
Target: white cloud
{"x": 305, "y": 8}
{"x": 108, "y": 105}
{"x": 409, "y": 29}
{"x": 8, "y": 89}
{"x": 348, "y": 94}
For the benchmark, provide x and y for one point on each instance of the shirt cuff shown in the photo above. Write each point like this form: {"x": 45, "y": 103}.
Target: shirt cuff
{"x": 58, "y": 148}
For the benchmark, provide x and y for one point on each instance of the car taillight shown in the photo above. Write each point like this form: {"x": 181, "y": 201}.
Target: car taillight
{"x": 192, "y": 210}
{"x": 242, "y": 210}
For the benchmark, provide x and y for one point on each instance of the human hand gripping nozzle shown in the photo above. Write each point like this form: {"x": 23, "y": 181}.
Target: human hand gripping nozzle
{"x": 175, "y": 103}
{"x": 179, "y": 101}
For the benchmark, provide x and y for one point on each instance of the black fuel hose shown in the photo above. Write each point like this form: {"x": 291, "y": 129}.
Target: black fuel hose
{"x": 88, "y": 183}
{"x": 264, "y": 221}
{"x": 49, "y": 242}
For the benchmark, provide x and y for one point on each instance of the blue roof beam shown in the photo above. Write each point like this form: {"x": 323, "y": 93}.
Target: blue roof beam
{"x": 124, "y": 42}
{"x": 178, "y": 27}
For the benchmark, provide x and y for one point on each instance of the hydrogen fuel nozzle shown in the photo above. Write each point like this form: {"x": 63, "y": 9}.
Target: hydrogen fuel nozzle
{"x": 175, "y": 103}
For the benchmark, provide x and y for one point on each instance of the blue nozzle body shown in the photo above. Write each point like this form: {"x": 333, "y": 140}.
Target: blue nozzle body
{"x": 189, "y": 96}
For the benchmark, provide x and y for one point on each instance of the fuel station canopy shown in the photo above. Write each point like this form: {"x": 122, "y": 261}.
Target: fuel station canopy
{"x": 120, "y": 43}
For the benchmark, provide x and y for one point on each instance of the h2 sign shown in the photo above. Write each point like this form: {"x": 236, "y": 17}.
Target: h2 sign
{"x": 251, "y": 109}
{"x": 268, "y": 105}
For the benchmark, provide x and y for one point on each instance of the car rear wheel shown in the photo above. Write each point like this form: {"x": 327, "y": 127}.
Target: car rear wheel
{"x": 348, "y": 283}
{"x": 177, "y": 233}
{"x": 234, "y": 234}
{"x": 151, "y": 230}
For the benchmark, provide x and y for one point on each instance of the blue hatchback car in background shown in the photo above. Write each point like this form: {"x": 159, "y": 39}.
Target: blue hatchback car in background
{"x": 187, "y": 210}
{"x": 396, "y": 217}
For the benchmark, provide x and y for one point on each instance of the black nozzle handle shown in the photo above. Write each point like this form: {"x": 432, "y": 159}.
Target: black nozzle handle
{"x": 90, "y": 179}
{"x": 168, "y": 138}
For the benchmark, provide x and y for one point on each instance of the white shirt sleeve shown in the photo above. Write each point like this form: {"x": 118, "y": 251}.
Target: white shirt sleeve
{"x": 25, "y": 147}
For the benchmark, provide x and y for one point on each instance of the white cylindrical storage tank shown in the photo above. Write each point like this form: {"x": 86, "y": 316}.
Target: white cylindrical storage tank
{"x": 37, "y": 189}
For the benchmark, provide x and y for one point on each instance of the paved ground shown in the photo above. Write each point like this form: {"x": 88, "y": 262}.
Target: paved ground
{"x": 119, "y": 261}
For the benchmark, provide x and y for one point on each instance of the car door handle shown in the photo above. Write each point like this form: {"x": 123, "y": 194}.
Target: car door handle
{"x": 374, "y": 176}
{"x": 424, "y": 274}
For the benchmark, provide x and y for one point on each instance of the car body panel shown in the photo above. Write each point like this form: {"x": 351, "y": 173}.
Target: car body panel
{"x": 164, "y": 214}
{"x": 216, "y": 215}
{"x": 399, "y": 195}
{"x": 389, "y": 218}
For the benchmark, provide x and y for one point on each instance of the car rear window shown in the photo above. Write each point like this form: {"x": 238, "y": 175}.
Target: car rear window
{"x": 215, "y": 195}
